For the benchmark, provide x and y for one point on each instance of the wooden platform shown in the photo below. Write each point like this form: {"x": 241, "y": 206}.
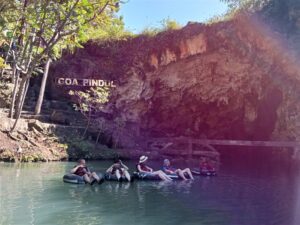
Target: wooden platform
{"x": 190, "y": 146}
{"x": 288, "y": 144}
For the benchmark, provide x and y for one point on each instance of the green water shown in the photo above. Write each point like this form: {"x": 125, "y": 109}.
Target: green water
{"x": 35, "y": 194}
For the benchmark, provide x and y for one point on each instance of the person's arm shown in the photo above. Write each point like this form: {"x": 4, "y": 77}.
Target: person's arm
{"x": 124, "y": 166}
{"x": 149, "y": 168}
{"x": 109, "y": 170}
{"x": 168, "y": 171}
{"x": 73, "y": 170}
{"x": 88, "y": 171}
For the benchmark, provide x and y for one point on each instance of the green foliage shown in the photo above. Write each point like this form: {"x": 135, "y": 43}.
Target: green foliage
{"x": 236, "y": 6}
{"x": 2, "y": 63}
{"x": 248, "y": 5}
{"x": 169, "y": 24}
{"x": 90, "y": 100}
{"x": 42, "y": 28}
{"x": 166, "y": 24}
{"x": 110, "y": 29}
{"x": 81, "y": 149}
{"x": 220, "y": 18}
{"x": 150, "y": 31}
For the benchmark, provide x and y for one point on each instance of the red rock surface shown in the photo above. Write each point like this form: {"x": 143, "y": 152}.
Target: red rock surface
{"x": 231, "y": 80}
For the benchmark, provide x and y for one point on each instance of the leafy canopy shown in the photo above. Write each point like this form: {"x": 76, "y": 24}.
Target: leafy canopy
{"x": 165, "y": 25}
{"x": 250, "y": 5}
{"x": 42, "y": 28}
{"x": 91, "y": 100}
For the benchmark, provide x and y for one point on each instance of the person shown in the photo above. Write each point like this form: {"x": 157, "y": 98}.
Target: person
{"x": 119, "y": 169}
{"x": 205, "y": 165}
{"x": 82, "y": 170}
{"x": 143, "y": 168}
{"x": 171, "y": 170}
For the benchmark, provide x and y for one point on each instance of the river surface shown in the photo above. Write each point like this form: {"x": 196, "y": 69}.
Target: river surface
{"x": 245, "y": 192}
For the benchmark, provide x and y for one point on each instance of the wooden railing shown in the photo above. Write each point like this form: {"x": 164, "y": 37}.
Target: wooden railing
{"x": 167, "y": 145}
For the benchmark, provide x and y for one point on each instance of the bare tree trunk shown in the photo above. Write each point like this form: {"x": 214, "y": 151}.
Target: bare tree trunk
{"x": 89, "y": 118}
{"x": 116, "y": 142}
{"x": 20, "y": 93}
{"x": 16, "y": 72}
{"x": 98, "y": 136}
{"x": 42, "y": 89}
{"x": 21, "y": 98}
{"x": 86, "y": 128}
{"x": 14, "y": 93}
{"x": 24, "y": 95}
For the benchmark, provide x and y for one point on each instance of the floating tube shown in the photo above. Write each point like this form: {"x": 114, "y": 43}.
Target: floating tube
{"x": 75, "y": 179}
{"x": 147, "y": 176}
{"x": 204, "y": 172}
{"x": 113, "y": 177}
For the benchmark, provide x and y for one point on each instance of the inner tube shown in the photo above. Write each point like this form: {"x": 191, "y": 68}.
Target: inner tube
{"x": 148, "y": 176}
{"x": 199, "y": 172}
{"x": 113, "y": 177}
{"x": 75, "y": 179}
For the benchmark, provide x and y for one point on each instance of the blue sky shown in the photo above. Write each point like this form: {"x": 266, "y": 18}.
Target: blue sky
{"x": 139, "y": 14}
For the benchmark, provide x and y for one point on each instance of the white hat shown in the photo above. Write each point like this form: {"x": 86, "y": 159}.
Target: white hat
{"x": 143, "y": 159}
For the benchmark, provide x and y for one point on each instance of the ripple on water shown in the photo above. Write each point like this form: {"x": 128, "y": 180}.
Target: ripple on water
{"x": 35, "y": 194}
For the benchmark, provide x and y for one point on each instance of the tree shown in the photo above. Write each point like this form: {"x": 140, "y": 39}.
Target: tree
{"x": 103, "y": 27}
{"x": 43, "y": 26}
{"x": 119, "y": 125}
{"x": 166, "y": 24}
{"x": 249, "y": 5}
{"x": 169, "y": 24}
{"x": 43, "y": 86}
{"x": 89, "y": 103}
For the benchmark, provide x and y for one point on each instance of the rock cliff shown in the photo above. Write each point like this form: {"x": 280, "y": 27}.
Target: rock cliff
{"x": 238, "y": 79}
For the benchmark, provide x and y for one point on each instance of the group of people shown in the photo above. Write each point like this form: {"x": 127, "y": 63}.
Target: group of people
{"x": 119, "y": 169}
{"x": 166, "y": 170}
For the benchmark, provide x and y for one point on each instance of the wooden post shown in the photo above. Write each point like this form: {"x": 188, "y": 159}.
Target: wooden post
{"x": 39, "y": 103}
{"x": 190, "y": 149}
{"x": 296, "y": 153}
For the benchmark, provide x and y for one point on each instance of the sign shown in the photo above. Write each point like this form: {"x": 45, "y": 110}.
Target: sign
{"x": 84, "y": 82}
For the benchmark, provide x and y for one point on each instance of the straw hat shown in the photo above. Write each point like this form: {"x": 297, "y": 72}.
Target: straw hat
{"x": 143, "y": 159}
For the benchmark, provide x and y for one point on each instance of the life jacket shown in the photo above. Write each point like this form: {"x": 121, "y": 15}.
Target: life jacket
{"x": 143, "y": 167}
{"x": 81, "y": 171}
{"x": 206, "y": 166}
{"x": 165, "y": 168}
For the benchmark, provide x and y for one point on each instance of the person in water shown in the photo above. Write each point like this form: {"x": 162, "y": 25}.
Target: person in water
{"x": 143, "y": 168}
{"x": 119, "y": 169}
{"x": 168, "y": 169}
{"x": 82, "y": 170}
{"x": 206, "y": 165}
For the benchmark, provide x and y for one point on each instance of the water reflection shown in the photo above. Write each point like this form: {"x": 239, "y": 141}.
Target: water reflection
{"x": 296, "y": 211}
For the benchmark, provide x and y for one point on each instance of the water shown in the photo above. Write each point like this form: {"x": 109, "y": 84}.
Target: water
{"x": 244, "y": 193}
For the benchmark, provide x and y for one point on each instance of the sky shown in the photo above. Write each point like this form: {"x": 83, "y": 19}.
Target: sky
{"x": 139, "y": 14}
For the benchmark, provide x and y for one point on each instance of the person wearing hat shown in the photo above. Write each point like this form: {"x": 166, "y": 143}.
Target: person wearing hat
{"x": 143, "y": 168}
{"x": 171, "y": 170}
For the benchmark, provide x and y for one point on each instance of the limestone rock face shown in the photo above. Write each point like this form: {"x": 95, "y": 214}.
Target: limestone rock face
{"x": 231, "y": 80}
